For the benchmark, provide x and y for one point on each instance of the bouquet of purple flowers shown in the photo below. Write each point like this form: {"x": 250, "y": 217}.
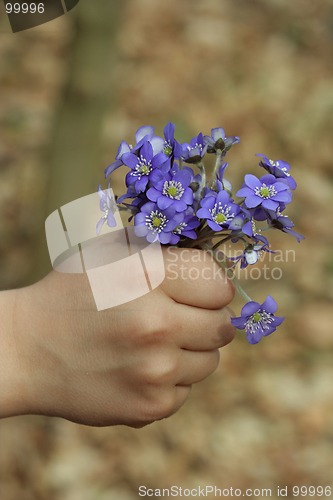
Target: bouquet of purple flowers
{"x": 174, "y": 205}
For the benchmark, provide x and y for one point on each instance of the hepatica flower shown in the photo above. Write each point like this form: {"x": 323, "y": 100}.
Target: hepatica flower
{"x": 280, "y": 170}
{"x": 108, "y": 206}
{"x": 218, "y": 141}
{"x": 258, "y": 320}
{"x": 267, "y": 192}
{"x": 194, "y": 151}
{"x": 155, "y": 224}
{"x": 173, "y": 190}
{"x": 219, "y": 211}
{"x": 186, "y": 225}
{"x": 171, "y": 148}
{"x": 142, "y": 166}
{"x": 177, "y": 205}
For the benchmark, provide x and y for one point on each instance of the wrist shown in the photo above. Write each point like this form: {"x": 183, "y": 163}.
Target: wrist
{"x": 13, "y": 391}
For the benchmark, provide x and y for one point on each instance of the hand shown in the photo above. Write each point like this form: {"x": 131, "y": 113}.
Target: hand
{"x": 131, "y": 364}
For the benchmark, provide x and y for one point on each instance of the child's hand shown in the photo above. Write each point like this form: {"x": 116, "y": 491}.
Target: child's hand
{"x": 131, "y": 364}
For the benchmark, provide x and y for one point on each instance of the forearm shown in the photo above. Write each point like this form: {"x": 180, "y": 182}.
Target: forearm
{"x": 12, "y": 384}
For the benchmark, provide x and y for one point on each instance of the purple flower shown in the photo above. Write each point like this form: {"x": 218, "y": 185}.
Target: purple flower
{"x": 142, "y": 135}
{"x": 138, "y": 201}
{"x": 218, "y": 141}
{"x": 171, "y": 148}
{"x": 108, "y": 205}
{"x": 173, "y": 190}
{"x": 251, "y": 254}
{"x": 142, "y": 166}
{"x": 186, "y": 223}
{"x": 244, "y": 224}
{"x": 280, "y": 170}
{"x": 258, "y": 320}
{"x": 155, "y": 224}
{"x": 267, "y": 192}
{"x": 219, "y": 210}
{"x": 283, "y": 223}
{"x": 195, "y": 150}
{"x": 123, "y": 148}
{"x": 220, "y": 183}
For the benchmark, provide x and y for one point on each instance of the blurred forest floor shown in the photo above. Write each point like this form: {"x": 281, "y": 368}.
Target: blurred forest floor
{"x": 264, "y": 71}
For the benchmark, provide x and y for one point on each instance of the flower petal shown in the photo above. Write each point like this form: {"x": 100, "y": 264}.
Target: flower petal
{"x": 130, "y": 159}
{"x": 253, "y": 201}
{"x": 238, "y": 322}
{"x": 244, "y": 191}
{"x": 203, "y": 213}
{"x": 146, "y": 130}
{"x": 250, "y": 308}
{"x": 269, "y": 305}
{"x": 252, "y": 181}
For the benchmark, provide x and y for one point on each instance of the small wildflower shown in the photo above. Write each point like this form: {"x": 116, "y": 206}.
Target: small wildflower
{"x": 219, "y": 210}
{"x": 185, "y": 228}
{"x": 171, "y": 148}
{"x": 283, "y": 223}
{"x": 155, "y": 224}
{"x": 280, "y": 170}
{"x": 267, "y": 192}
{"x": 173, "y": 190}
{"x": 258, "y": 320}
{"x": 195, "y": 150}
{"x": 251, "y": 254}
{"x": 107, "y": 205}
{"x": 218, "y": 141}
{"x": 141, "y": 166}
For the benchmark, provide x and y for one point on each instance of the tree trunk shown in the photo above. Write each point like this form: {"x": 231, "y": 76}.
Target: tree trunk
{"x": 74, "y": 152}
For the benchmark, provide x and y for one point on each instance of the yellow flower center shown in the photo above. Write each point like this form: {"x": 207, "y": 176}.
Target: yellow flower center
{"x": 157, "y": 222}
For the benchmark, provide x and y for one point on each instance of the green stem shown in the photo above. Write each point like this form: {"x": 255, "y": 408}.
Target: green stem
{"x": 215, "y": 247}
{"x": 217, "y": 162}
{"x": 202, "y": 169}
{"x": 229, "y": 273}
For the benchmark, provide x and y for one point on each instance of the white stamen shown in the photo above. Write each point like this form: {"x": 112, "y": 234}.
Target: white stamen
{"x": 156, "y": 221}
{"x": 224, "y": 210}
{"x": 263, "y": 322}
{"x": 172, "y": 186}
{"x": 265, "y": 191}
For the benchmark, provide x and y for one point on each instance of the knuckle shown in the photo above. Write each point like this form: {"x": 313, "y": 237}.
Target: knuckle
{"x": 162, "y": 406}
{"x": 153, "y": 329}
{"x": 161, "y": 369}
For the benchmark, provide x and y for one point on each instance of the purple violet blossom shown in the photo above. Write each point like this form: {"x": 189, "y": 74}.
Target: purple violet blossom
{"x": 267, "y": 192}
{"x": 220, "y": 183}
{"x": 155, "y": 224}
{"x": 258, "y": 320}
{"x": 251, "y": 254}
{"x": 218, "y": 141}
{"x": 194, "y": 151}
{"x": 283, "y": 223}
{"x": 244, "y": 224}
{"x": 173, "y": 190}
{"x": 108, "y": 205}
{"x": 142, "y": 135}
{"x": 219, "y": 210}
{"x": 171, "y": 148}
{"x": 280, "y": 170}
{"x": 142, "y": 166}
{"x": 186, "y": 225}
